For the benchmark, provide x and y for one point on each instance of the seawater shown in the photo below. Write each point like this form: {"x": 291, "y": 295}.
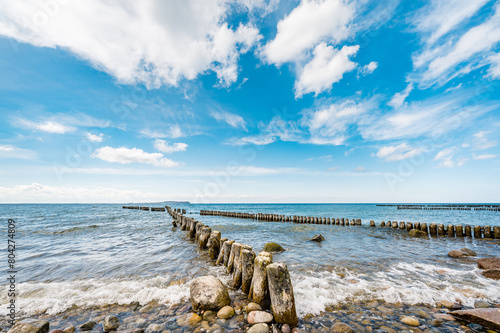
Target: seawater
{"x": 90, "y": 255}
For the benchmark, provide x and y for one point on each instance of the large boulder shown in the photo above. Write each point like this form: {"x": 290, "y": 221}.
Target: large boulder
{"x": 208, "y": 293}
{"x": 486, "y": 317}
{"x": 273, "y": 247}
{"x": 30, "y": 326}
{"x": 318, "y": 238}
{"x": 462, "y": 253}
{"x": 488, "y": 263}
{"x": 417, "y": 233}
{"x": 493, "y": 273}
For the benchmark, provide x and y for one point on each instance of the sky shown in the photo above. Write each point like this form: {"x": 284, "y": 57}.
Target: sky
{"x": 249, "y": 101}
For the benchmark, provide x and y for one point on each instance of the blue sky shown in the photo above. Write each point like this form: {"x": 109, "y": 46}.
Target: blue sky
{"x": 250, "y": 101}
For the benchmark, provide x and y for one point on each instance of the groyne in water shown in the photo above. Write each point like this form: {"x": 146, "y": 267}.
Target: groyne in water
{"x": 413, "y": 228}
{"x": 471, "y": 207}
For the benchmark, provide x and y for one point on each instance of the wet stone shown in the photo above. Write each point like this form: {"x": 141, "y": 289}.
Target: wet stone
{"x": 256, "y": 317}
{"x": 110, "y": 323}
{"x": 341, "y": 328}
{"x": 87, "y": 326}
{"x": 226, "y": 312}
{"x": 153, "y": 328}
{"x": 259, "y": 328}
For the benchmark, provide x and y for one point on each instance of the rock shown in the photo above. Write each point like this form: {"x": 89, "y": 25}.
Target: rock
{"x": 295, "y": 330}
{"x": 493, "y": 273}
{"x": 488, "y": 263}
{"x": 259, "y": 291}
{"x": 489, "y": 318}
{"x": 56, "y": 331}
{"x": 193, "y": 318}
{"x": 281, "y": 293}
{"x": 481, "y": 305}
{"x": 131, "y": 330}
{"x": 318, "y": 238}
{"x": 256, "y": 317}
{"x": 259, "y": 328}
{"x": 341, "y": 328}
{"x": 410, "y": 320}
{"x": 208, "y": 293}
{"x": 285, "y": 328}
{"x": 87, "y": 326}
{"x": 30, "y": 326}
{"x": 70, "y": 329}
{"x": 155, "y": 328}
{"x": 226, "y": 312}
{"x": 444, "y": 316}
{"x": 417, "y": 233}
{"x": 436, "y": 322}
{"x": 209, "y": 316}
{"x": 253, "y": 307}
{"x": 146, "y": 308}
{"x": 462, "y": 253}
{"x": 110, "y": 323}
{"x": 273, "y": 247}
{"x": 445, "y": 304}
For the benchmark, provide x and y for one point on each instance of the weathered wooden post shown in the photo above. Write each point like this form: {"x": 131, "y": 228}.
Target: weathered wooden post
{"x": 213, "y": 245}
{"x": 227, "y": 251}
{"x": 450, "y": 230}
{"x": 433, "y": 229}
{"x": 382, "y": 224}
{"x": 394, "y": 224}
{"x": 468, "y": 231}
{"x": 247, "y": 267}
{"x": 496, "y": 232}
{"x": 487, "y": 231}
{"x": 441, "y": 231}
{"x": 459, "y": 231}
{"x": 423, "y": 227}
{"x": 238, "y": 267}
{"x": 192, "y": 229}
{"x": 409, "y": 226}
{"x": 204, "y": 236}
{"x": 281, "y": 294}
{"x": 372, "y": 223}
{"x": 235, "y": 251}
{"x": 259, "y": 291}
{"x": 402, "y": 225}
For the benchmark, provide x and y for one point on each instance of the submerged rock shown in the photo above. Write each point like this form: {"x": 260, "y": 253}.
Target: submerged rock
{"x": 87, "y": 326}
{"x": 273, "y": 247}
{"x": 486, "y": 317}
{"x": 462, "y": 253}
{"x": 253, "y": 307}
{"x": 318, "y": 238}
{"x": 341, "y": 328}
{"x": 493, "y": 273}
{"x": 30, "y": 326}
{"x": 110, "y": 323}
{"x": 208, "y": 293}
{"x": 410, "y": 320}
{"x": 417, "y": 233}
{"x": 488, "y": 263}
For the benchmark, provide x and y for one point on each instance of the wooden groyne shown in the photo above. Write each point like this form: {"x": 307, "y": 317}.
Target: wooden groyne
{"x": 153, "y": 209}
{"x": 432, "y": 229}
{"x": 470, "y": 207}
{"x": 266, "y": 283}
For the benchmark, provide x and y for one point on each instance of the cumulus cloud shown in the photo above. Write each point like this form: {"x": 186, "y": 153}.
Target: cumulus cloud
{"x": 151, "y": 42}
{"x": 125, "y": 155}
{"x": 164, "y": 147}
{"x": 327, "y": 66}
{"x": 446, "y": 160}
{"x": 399, "y": 98}
{"x": 231, "y": 119}
{"x": 99, "y": 137}
{"x": 397, "y": 153}
{"x": 310, "y": 23}
{"x": 368, "y": 69}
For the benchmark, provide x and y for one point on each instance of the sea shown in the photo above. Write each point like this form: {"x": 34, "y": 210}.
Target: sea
{"x": 90, "y": 255}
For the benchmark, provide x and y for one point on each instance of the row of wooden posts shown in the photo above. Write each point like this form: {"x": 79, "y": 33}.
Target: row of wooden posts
{"x": 153, "y": 209}
{"x": 432, "y": 229}
{"x": 265, "y": 282}
{"x": 449, "y": 208}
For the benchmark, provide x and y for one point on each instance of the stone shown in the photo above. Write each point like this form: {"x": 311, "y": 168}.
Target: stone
{"x": 410, "y": 320}
{"x": 295, "y": 330}
{"x": 462, "y": 253}
{"x": 488, "y": 263}
{"x": 209, "y": 315}
{"x": 285, "y": 328}
{"x": 481, "y": 305}
{"x": 30, "y": 326}
{"x": 155, "y": 328}
{"x": 56, "y": 331}
{"x": 131, "y": 330}
{"x": 256, "y": 317}
{"x": 446, "y": 304}
{"x": 189, "y": 319}
{"x": 208, "y": 293}
{"x": 259, "y": 328}
{"x": 252, "y": 306}
{"x": 281, "y": 294}
{"x": 146, "y": 308}
{"x": 489, "y": 318}
{"x": 226, "y": 312}
{"x": 318, "y": 238}
{"x": 341, "y": 328}
{"x": 259, "y": 291}
{"x": 247, "y": 262}
{"x": 444, "y": 316}
{"x": 417, "y": 233}
{"x": 273, "y": 247}
{"x": 87, "y": 326}
{"x": 69, "y": 329}
{"x": 110, "y": 323}
{"x": 493, "y": 273}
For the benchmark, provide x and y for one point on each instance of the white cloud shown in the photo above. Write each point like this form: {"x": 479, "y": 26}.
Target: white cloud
{"x": 494, "y": 70}
{"x": 327, "y": 66}
{"x": 99, "y": 137}
{"x": 460, "y": 52}
{"x": 483, "y": 156}
{"x": 311, "y": 22}
{"x": 152, "y": 42}
{"x": 10, "y": 151}
{"x": 164, "y": 147}
{"x": 480, "y": 141}
{"x": 174, "y": 132}
{"x": 125, "y": 155}
{"x": 47, "y": 126}
{"x": 6, "y": 148}
{"x": 231, "y": 119}
{"x": 398, "y": 153}
{"x": 399, "y": 98}
{"x": 276, "y": 129}
{"x": 368, "y": 69}
{"x": 446, "y": 160}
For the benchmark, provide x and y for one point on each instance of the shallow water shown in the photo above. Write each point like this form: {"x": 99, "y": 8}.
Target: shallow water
{"x": 92, "y": 255}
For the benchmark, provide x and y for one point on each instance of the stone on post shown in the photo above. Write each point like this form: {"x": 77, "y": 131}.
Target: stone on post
{"x": 235, "y": 251}
{"x": 247, "y": 262}
{"x": 259, "y": 291}
{"x": 281, "y": 294}
{"x": 213, "y": 245}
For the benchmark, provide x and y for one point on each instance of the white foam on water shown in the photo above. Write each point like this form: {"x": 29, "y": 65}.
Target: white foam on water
{"x": 56, "y": 297}
{"x": 408, "y": 283}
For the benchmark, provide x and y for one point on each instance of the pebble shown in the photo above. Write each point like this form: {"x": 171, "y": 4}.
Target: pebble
{"x": 155, "y": 328}
{"x": 189, "y": 319}
{"x": 70, "y": 329}
{"x": 87, "y": 326}
{"x": 295, "y": 330}
{"x": 480, "y": 304}
{"x": 226, "y": 312}
{"x": 56, "y": 331}
{"x": 410, "y": 320}
{"x": 256, "y": 317}
{"x": 446, "y": 304}
{"x": 285, "y": 328}
{"x": 110, "y": 323}
{"x": 146, "y": 308}
{"x": 444, "y": 316}
{"x": 209, "y": 316}
{"x": 253, "y": 307}
{"x": 341, "y": 328}
{"x": 259, "y": 328}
